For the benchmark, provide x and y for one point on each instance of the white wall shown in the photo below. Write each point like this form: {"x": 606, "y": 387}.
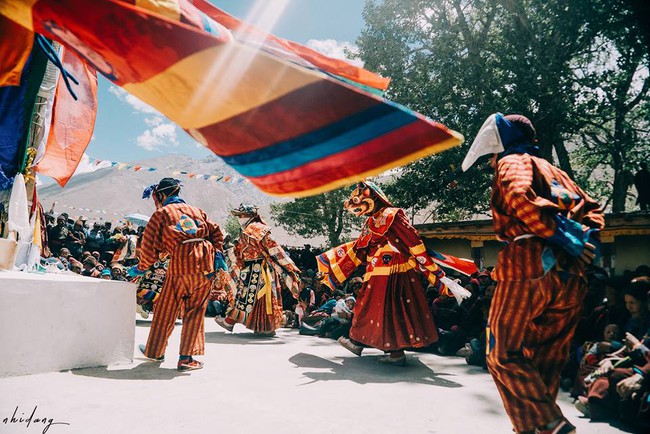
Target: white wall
{"x": 54, "y": 322}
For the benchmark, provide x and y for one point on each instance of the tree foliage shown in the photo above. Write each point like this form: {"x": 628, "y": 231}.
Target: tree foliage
{"x": 232, "y": 227}
{"x": 458, "y": 61}
{"x": 320, "y": 215}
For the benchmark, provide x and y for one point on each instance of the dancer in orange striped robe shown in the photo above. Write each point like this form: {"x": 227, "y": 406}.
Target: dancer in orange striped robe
{"x": 192, "y": 241}
{"x": 551, "y": 229}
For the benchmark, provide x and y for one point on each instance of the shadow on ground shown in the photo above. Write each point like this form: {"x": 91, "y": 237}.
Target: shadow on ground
{"x": 143, "y": 371}
{"x": 366, "y": 369}
{"x": 241, "y": 338}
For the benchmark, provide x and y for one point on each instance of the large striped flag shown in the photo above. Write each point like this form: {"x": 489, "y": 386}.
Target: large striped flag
{"x": 292, "y": 121}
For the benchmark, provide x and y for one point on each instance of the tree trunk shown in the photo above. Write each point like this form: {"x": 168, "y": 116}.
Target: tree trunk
{"x": 563, "y": 157}
{"x": 619, "y": 190}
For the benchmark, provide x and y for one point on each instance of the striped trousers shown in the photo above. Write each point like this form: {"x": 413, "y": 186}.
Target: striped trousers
{"x": 530, "y": 327}
{"x": 187, "y": 294}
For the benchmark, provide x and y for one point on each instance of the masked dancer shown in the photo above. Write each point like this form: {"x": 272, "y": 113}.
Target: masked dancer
{"x": 261, "y": 270}
{"x": 391, "y": 312}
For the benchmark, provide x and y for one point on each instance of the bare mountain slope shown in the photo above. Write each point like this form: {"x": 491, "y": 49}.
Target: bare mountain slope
{"x": 120, "y": 192}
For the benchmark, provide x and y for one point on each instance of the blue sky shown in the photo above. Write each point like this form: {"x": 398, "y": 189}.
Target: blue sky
{"x": 129, "y": 130}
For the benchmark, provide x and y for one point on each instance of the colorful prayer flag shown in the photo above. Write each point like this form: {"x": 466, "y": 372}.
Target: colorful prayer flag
{"x": 73, "y": 121}
{"x": 292, "y": 121}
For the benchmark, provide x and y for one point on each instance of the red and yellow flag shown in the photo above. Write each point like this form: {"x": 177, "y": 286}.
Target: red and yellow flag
{"x": 289, "y": 119}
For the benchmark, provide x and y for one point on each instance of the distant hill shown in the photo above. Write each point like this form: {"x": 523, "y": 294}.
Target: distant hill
{"x": 120, "y": 192}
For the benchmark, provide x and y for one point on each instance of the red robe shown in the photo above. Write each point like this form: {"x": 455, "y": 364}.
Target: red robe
{"x": 391, "y": 312}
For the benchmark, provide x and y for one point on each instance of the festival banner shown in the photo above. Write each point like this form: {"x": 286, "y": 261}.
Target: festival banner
{"x": 289, "y": 120}
{"x": 16, "y": 46}
{"x": 190, "y": 175}
{"x": 16, "y": 106}
{"x": 73, "y": 121}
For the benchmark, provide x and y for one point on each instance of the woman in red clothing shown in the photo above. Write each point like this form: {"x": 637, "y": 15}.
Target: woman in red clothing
{"x": 391, "y": 312}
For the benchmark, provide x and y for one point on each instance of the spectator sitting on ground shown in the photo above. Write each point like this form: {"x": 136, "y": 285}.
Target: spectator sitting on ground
{"x": 621, "y": 392}
{"x": 117, "y": 270}
{"x": 64, "y": 257}
{"x": 58, "y": 235}
{"x": 306, "y": 303}
{"x": 76, "y": 239}
{"x": 595, "y": 352}
{"x": 75, "y": 266}
{"x": 95, "y": 240}
{"x": 635, "y": 302}
{"x": 89, "y": 267}
{"x": 338, "y": 324}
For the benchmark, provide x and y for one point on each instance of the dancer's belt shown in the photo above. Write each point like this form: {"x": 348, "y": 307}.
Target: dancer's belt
{"x": 193, "y": 240}
{"x": 524, "y": 237}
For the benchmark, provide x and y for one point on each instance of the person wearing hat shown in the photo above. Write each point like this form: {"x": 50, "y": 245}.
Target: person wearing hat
{"x": 194, "y": 243}
{"x": 58, "y": 235}
{"x": 391, "y": 311}
{"x": 261, "y": 269}
{"x": 551, "y": 229}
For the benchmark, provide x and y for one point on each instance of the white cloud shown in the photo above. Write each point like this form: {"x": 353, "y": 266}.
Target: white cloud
{"x": 154, "y": 120}
{"x": 133, "y": 101}
{"x": 335, "y": 49}
{"x": 160, "y": 136}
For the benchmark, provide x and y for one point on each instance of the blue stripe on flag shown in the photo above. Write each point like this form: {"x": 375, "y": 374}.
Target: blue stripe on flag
{"x": 348, "y": 133}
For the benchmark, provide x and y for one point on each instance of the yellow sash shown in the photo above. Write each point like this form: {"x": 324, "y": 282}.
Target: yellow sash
{"x": 267, "y": 288}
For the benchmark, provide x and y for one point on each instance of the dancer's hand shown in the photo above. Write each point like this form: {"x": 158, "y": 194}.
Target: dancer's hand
{"x": 588, "y": 253}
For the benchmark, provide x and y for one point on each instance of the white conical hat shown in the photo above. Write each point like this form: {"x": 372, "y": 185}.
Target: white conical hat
{"x": 487, "y": 141}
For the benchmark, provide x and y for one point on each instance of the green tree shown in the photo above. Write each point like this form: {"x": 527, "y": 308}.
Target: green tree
{"x": 613, "y": 105}
{"x": 457, "y": 61}
{"x": 232, "y": 227}
{"x": 320, "y": 215}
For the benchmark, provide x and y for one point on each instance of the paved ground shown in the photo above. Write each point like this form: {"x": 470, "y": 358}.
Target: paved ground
{"x": 287, "y": 384}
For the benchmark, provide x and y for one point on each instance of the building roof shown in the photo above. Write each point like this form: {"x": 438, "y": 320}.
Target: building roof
{"x": 634, "y": 223}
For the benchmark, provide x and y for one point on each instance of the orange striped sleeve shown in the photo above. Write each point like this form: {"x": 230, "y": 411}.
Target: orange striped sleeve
{"x": 152, "y": 242}
{"x": 515, "y": 177}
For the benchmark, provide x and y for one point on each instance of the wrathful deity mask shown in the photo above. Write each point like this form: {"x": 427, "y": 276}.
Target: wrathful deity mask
{"x": 366, "y": 199}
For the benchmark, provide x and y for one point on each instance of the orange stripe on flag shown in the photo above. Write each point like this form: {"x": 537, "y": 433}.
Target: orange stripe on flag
{"x": 17, "y": 43}
{"x": 73, "y": 122}
{"x": 333, "y": 66}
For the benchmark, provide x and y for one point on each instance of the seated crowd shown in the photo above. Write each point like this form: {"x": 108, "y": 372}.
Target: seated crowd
{"x": 101, "y": 251}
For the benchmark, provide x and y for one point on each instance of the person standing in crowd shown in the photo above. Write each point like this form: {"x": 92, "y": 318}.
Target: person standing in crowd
{"x": 551, "y": 229}
{"x": 76, "y": 239}
{"x": 642, "y": 184}
{"x": 58, "y": 235}
{"x": 95, "y": 240}
{"x": 194, "y": 244}
{"x": 262, "y": 268}
{"x": 391, "y": 312}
